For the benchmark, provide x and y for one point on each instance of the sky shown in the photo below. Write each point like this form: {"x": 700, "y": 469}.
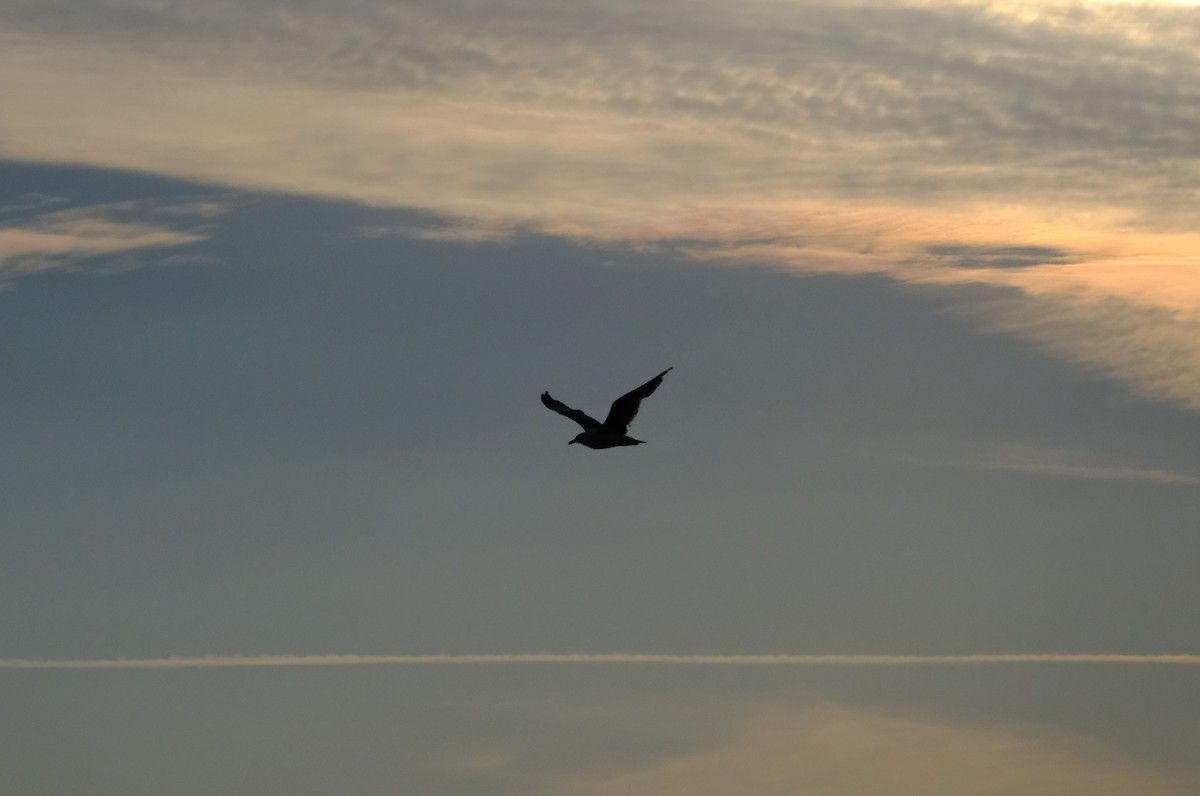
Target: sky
{"x": 281, "y": 512}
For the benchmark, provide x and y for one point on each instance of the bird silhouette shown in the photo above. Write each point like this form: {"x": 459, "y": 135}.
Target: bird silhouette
{"x": 612, "y": 433}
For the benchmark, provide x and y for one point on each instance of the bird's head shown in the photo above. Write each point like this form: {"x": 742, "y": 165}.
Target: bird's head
{"x": 578, "y": 438}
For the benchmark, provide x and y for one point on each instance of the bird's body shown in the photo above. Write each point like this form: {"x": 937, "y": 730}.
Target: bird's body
{"x": 598, "y": 438}
{"x": 613, "y": 432}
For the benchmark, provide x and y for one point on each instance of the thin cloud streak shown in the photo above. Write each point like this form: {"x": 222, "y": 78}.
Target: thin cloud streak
{"x": 248, "y": 661}
{"x": 1166, "y": 477}
{"x": 1037, "y": 463}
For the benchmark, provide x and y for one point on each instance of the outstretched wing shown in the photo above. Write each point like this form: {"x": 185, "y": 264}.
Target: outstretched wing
{"x": 579, "y": 417}
{"x": 625, "y": 408}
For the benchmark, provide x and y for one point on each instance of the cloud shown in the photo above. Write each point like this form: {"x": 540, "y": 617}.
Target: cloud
{"x": 557, "y": 107}
{"x": 841, "y": 98}
{"x": 1153, "y": 349}
{"x": 226, "y": 661}
{"x": 1044, "y": 147}
{"x": 1021, "y": 459}
{"x": 63, "y": 239}
{"x": 834, "y": 752}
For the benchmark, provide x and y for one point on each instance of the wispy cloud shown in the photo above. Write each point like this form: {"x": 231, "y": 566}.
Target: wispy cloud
{"x": 33, "y": 243}
{"x": 247, "y": 661}
{"x": 1151, "y": 347}
{"x": 1037, "y": 461}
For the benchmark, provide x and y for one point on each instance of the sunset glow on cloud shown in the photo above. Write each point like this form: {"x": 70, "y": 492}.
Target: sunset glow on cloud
{"x": 774, "y": 147}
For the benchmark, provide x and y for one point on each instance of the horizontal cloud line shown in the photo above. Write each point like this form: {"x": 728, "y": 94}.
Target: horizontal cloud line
{"x": 232, "y": 661}
{"x": 1037, "y": 466}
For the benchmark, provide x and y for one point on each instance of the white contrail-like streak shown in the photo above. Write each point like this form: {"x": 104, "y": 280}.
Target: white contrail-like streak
{"x": 231, "y": 661}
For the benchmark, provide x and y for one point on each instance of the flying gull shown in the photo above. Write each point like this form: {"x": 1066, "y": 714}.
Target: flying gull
{"x": 612, "y": 432}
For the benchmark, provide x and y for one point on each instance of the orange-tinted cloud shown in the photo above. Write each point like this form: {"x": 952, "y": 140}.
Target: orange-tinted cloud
{"x": 845, "y": 753}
